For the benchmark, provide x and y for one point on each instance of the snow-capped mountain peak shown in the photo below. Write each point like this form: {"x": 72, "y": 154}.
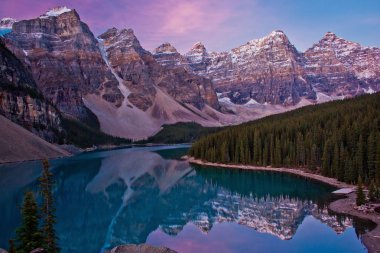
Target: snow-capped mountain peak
{"x": 6, "y": 23}
{"x": 56, "y": 11}
{"x": 197, "y": 48}
{"x": 165, "y": 48}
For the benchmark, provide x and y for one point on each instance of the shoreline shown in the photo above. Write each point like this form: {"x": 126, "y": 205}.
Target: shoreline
{"x": 346, "y": 205}
{"x": 89, "y": 150}
{"x": 298, "y": 172}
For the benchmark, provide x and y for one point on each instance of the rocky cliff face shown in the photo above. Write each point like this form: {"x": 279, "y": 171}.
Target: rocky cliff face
{"x": 22, "y": 102}
{"x": 154, "y": 94}
{"x": 338, "y": 67}
{"x": 270, "y": 70}
{"x": 267, "y": 70}
{"x": 133, "y": 92}
{"x": 64, "y": 58}
{"x": 167, "y": 55}
{"x": 142, "y": 74}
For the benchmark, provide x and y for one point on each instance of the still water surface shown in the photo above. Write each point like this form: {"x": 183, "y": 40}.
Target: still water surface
{"x": 147, "y": 195}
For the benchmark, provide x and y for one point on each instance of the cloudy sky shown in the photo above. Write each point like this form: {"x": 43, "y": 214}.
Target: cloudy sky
{"x": 219, "y": 24}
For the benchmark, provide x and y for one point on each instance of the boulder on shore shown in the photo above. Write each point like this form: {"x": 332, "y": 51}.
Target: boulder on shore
{"x": 140, "y": 248}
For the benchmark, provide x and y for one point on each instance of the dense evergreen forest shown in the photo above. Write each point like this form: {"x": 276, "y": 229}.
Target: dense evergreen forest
{"x": 339, "y": 139}
{"x": 181, "y": 133}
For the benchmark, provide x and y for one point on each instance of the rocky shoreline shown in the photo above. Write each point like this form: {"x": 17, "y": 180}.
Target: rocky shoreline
{"x": 346, "y": 205}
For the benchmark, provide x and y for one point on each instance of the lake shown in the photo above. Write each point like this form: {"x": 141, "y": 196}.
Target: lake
{"x": 148, "y": 195}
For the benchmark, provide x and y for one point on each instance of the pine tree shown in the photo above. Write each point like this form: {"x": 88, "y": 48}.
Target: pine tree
{"x": 335, "y": 162}
{"x": 377, "y": 158}
{"x": 343, "y": 144}
{"x": 256, "y": 148}
{"x": 48, "y": 210}
{"x": 342, "y": 163}
{"x": 224, "y": 153}
{"x": 28, "y": 234}
{"x": 326, "y": 159}
{"x": 360, "y": 157}
{"x": 371, "y": 155}
{"x": 372, "y": 192}
{"x": 360, "y": 197}
{"x": 12, "y": 248}
{"x": 313, "y": 157}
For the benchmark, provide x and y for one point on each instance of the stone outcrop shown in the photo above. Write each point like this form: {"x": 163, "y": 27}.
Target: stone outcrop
{"x": 140, "y": 248}
{"x": 22, "y": 102}
{"x": 65, "y": 60}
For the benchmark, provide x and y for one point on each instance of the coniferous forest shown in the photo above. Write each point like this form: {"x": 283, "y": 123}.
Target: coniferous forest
{"x": 339, "y": 139}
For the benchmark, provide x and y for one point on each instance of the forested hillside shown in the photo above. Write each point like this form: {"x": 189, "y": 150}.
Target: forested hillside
{"x": 340, "y": 139}
{"x": 181, "y": 133}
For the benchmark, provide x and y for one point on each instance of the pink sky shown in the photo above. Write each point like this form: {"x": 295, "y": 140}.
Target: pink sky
{"x": 219, "y": 24}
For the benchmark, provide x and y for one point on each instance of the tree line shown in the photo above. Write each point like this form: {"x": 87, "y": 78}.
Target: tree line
{"x": 36, "y": 230}
{"x": 339, "y": 139}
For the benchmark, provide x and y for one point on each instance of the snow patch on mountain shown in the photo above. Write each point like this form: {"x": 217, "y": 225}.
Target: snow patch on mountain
{"x": 124, "y": 90}
{"x": 369, "y": 90}
{"x": 365, "y": 74}
{"x": 7, "y": 23}
{"x": 56, "y": 12}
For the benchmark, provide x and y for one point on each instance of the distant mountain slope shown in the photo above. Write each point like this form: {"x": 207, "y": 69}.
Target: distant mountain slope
{"x": 18, "y": 144}
{"x": 65, "y": 61}
{"x": 114, "y": 83}
{"x": 270, "y": 70}
{"x": 339, "y": 139}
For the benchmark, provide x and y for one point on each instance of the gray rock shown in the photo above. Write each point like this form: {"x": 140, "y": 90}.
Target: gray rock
{"x": 140, "y": 248}
{"x": 38, "y": 250}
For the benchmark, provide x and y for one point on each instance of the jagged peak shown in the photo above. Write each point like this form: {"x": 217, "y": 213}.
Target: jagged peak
{"x": 56, "y": 11}
{"x": 7, "y": 22}
{"x": 277, "y": 33}
{"x": 114, "y": 36}
{"x": 128, "y": 31}
{"x": 330, "y": 36}
{"x": 197, "y": 48}
{"x": 274, "y": 36}
{"x": 198, "y": 45}
{"x": 7, "y": 19}
{"x": 333, "y": 38}
{"x": 165, "y": 48}
{"x": 332, "y": 42}
{"x": 114, "y": 32}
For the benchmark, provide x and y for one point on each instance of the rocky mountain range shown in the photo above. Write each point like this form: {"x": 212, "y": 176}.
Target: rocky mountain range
{"x": 133, "y": 92}
{"x": 271, "y": 70}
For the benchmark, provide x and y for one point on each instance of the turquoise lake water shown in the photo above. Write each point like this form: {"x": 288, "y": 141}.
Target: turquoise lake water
{"x": 147, "y": 195}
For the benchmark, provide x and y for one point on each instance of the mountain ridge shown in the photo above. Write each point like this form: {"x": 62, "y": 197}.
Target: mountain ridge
{"x": 133, "y": 92}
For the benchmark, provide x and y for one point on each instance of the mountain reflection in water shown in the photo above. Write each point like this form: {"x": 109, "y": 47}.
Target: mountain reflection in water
{"x": 125, "y": 196}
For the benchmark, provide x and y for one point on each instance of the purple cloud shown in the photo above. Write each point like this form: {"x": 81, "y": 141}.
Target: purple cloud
{"x": 219, "y": 24}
